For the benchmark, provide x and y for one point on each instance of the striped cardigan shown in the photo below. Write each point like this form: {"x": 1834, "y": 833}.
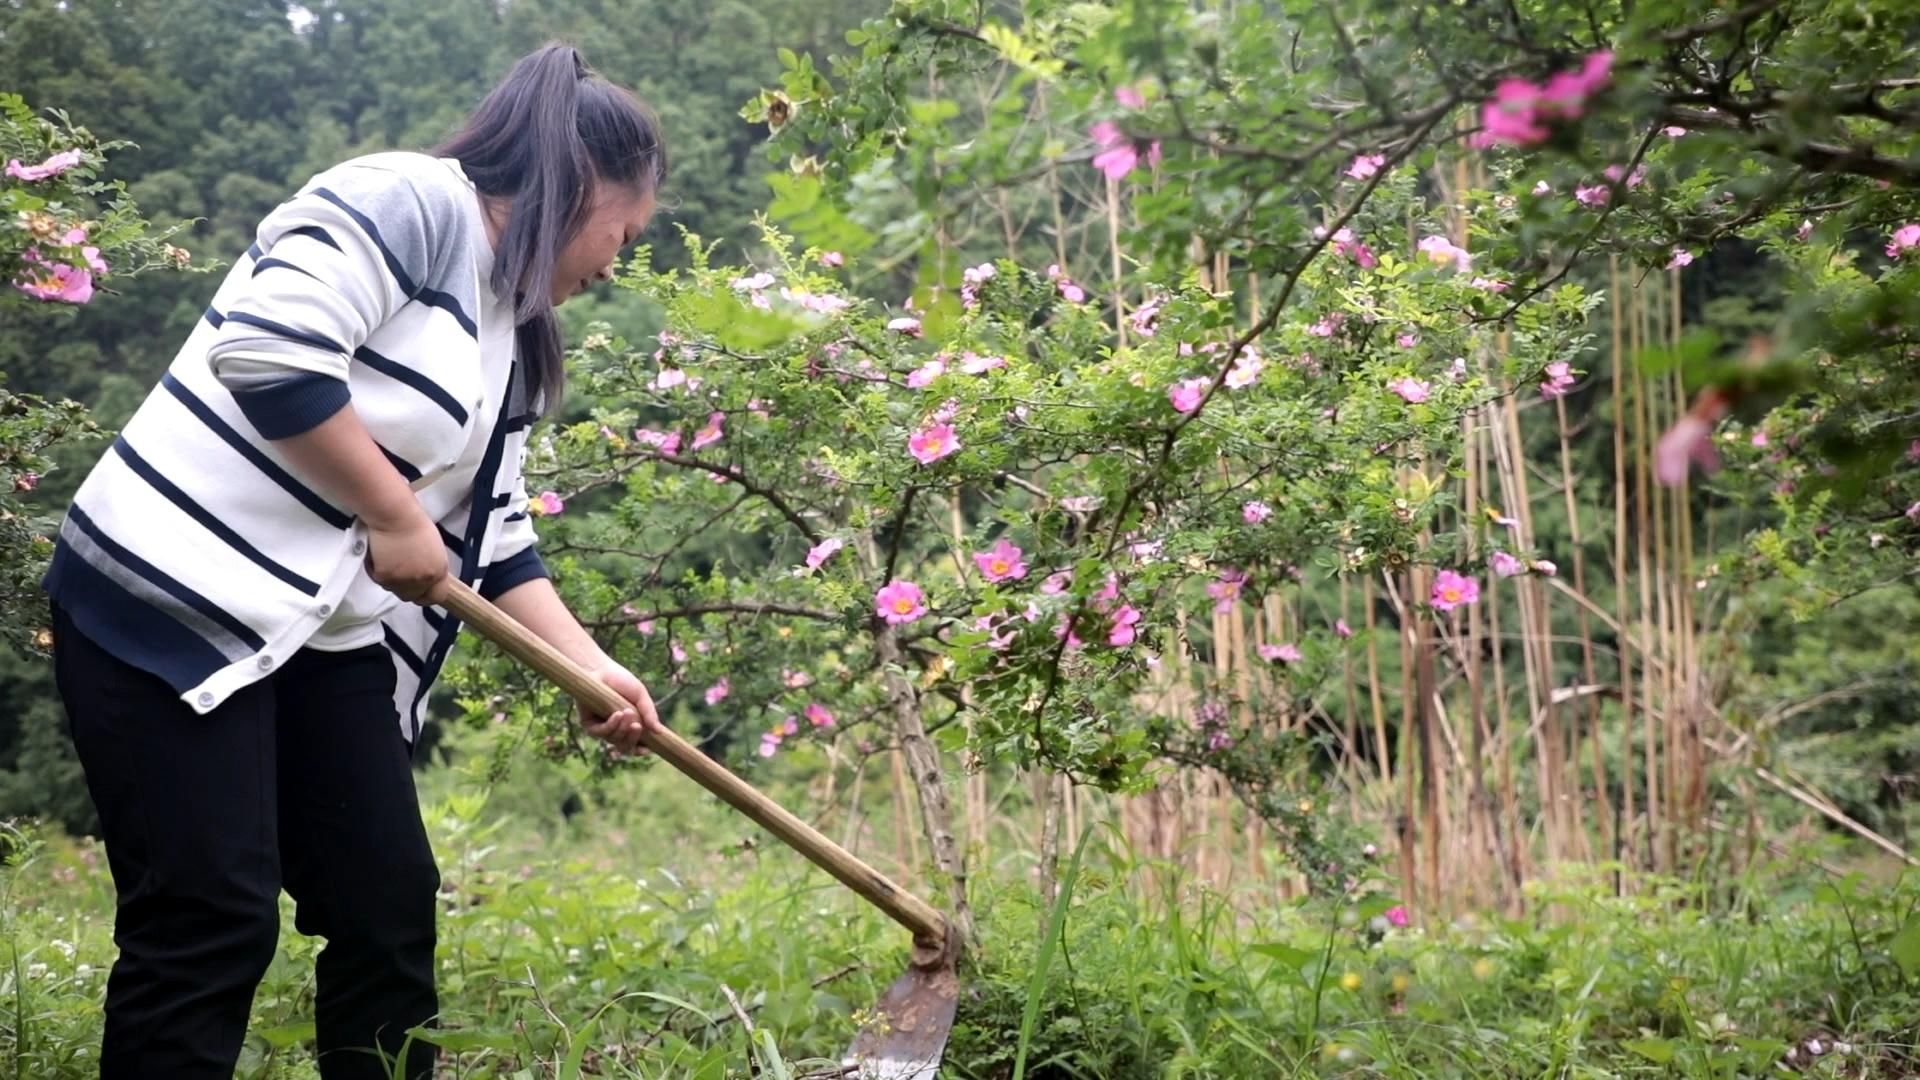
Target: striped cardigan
{"x": 195, "y": 552}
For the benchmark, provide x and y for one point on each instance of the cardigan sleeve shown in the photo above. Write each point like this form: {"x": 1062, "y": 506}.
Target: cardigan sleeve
{"x": 515, "y": 558}
{"x": 329, "y": 267}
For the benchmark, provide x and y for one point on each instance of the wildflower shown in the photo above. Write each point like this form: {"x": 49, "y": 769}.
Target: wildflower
{"x": 1397, "y": 916}
{"x": 971, "y": 364}
{"x": 1559, "y": 379}
{"x": 1441, "y": 251}
{"x": 1072, "y": 293}
{"x": 1413, "y": 390}
{"x": 1672, "y": 131}
{"x": 1595, "y": 195}
{"x": 1124, "y": 621}
{"x": 970, "y": 281}
{"x": 46, "y": 170}
{"x": 26, "y": 481}
{"x": 1352, "y": 982}
{"x": 926, "y": 373}
{"x": 1407, "y": 341}
{"x": 1341, "y": 628}
{"x": 1506, "y": 565}
{"x": 754, "y": 283}
{"x": 832, "y": 258}
{"x": 1289, "y": 653}
{"x": 1119, "y": 153}
{"x": 1225, "y": 589}
{"x": 1905, "y": 239}
{"x": 56, "y": 281}
{"x": 930, "y": 444}
{"x": 817, "y": 715}
{"x": 718, "y": 691}
{"x": 1002, "y": 562}
{"x": 1253, "y": 511}
{"x": 1450, "y": 590}
{"x": 711, "y": 433}
{"x": 1365, "y": 165}
{"x": 769, "y": 743}
{"x": 1681, "y": 257}
{"x": 900, "y": 602}
{"x": 546, "y": 504}
{"x": 1186, "y": 394}
{"x": 1129, "y": 97}
{"x": 905, "y": 324}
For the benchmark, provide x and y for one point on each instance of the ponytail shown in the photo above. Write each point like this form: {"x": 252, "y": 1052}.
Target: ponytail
{"x": 543, "y": 139}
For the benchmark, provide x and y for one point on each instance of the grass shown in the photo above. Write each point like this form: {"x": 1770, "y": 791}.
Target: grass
{"x": 650, "y": 938}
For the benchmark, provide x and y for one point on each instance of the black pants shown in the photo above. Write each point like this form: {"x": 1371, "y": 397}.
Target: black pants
{"x": 301, "y": 780}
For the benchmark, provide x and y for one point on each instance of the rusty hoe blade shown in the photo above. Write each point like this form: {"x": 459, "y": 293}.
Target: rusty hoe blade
{"x": 908, "y": 1030}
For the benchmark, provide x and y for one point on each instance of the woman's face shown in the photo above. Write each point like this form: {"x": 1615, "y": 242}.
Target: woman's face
{"x": 617, "y": 218}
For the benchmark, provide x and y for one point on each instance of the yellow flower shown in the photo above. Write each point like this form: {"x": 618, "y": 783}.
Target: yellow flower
{"x": 1351, "y": 981}
{"x": 43, "y": 638}
{"x": 1483, "y": 969}
{"x": 784, "y": 631}
{"x": 1306, "y": 806}
{"x": 1400, "y": 983}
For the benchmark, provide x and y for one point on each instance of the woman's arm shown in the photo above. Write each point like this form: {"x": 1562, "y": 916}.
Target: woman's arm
{"x": 404, "y": 552}
{"x": 534, "y": 605}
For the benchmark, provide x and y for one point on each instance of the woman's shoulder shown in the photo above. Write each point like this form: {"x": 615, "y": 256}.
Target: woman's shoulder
{"x": 434, "y": 184}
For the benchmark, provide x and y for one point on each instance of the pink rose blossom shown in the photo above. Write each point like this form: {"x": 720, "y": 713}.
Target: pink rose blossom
{"x": 926, "y": 373}
{"x": 1544, "y": 567}
{"x": 1450, "y": 590}
{"x": 1407, "y": 341}
{"x": 1542, "y": 188}
{"x": 1056, "y": 583}
{"x": 1186, "y": 394}
{"x": 1397, "y": 917}
{"x": 1559, "y": 380}
{"x": 1225, "y": 589}
{"x": 900, "y": 602}
{"x": 1905, "y": 239}
{"x": 1615, "y": 172}
{"x": 1119, "y": 154}
{"x": 1289, "y": 653}
{"x": 832, "y": 258}
{"x": 1505, "y": 565}
{"x": 1688, "y": 442}
{"x": 57, "y": 282}
{"x": 905, "y": 324}
{"x": 1595, "y": 195}
{"x": 794, "y": 680}
{"x": 1365, "y": 165}
{"x": 547, "y": 503}
{"x": 1129, "y": 97}
{"x": 822, "y": 551}
{"x": 971, "y": 364}
{"x": 769, "y": 743}
{"x": 1124, "y": 622}
{"x": 1001, "y": 562}
{"x": 1245, "y": 370}
{"x": 1441, "y": 251}
{"x": 1341, "y": 628}
{"x": 1673, "y": 132}
{"x": 817, "y": 715}
{"x": 52, "y": 167}
{"x": 1253, "y": 512}
{"x": 711, "y": 433}
{"x": 1073, "y": 294}
{"x": 1681, "y": 257}
{"x": 1512, "y": 116}
{"x": 929, "y": 445}
{"x": 679, "y": 654}
{"x": 1489, "y": 284}
{"x": 1412, "y": 389}
{"x": 718, "y": 691}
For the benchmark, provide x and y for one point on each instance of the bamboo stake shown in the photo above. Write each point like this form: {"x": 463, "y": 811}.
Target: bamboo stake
{"x": 1623, "y": 846}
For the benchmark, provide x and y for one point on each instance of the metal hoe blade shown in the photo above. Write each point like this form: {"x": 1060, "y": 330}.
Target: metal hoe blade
{"x": 908, "y": 1032}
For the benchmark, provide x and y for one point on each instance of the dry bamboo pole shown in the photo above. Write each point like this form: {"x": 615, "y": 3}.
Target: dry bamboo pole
{"x": 1623, "y": 845}
{"x": 1355, "y": 774}
{"x": 1380, "y": 747}
{"x": 1603, "y": 800}
{"x": 1688, "y": 662}
{"x": 1508, "y": 821}
{"x": 1113, "y": 246}
{"x": 1643, "y": 574}
{"x": 1481, "y": 828}
{"x": 1658, "y": 398}
{"x": 1409, "y": 723}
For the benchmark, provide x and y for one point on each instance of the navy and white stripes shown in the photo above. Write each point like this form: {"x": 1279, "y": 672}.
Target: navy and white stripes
{"x": 194, "y": 550}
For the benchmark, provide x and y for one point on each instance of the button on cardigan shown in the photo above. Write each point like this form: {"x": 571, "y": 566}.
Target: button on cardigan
{"x": 193, "y": 550}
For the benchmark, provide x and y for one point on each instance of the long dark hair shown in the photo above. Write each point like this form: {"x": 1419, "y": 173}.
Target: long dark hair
{"x": 543, "y": 138}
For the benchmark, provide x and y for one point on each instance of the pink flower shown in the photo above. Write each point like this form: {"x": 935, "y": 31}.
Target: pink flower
{"x": 1441, "y": 251}
{"x": 1542, "y": 188}
{"x": 1145, "y": 318}
{"x": 26, "y": 482}
{"x": 946, "y": 412}
{"x": 1341, "y": 628}
{"x": 1512, "y": 116}
{"x": 900, "y": 602}
{"x": 1186, "y": 394}
{"x": 1124, "y": 622}
{"x": 1397, "y": 917}
{"x": 1681, "y": 257}
{"x": 1506, "y": 565}
{"x": 1595, "y": 195}
{"x": 930, "y": 444}
{"x": 822, "y": 551}
{"x": 1056, "y": 583}
{"x": 718, "y": 692}
{"x": 1689, "y": 441}
{"x": 1805, "y": 230}
{"x": 817, "y": 715}
{"x": 1073, "y": 294}
{"x": 972, "y": 364}
{"x": 1129, "y": 97}
{"x": 1244, "y": 371}
{"x": 1289, "y": 652}
{"x": 754, "y": 283}
{"x": 970, "y": 281}
{"x": 1002, "y": 562}
{"x": 53, "y": 166}
{"x": 1253, "y": 512}
{"x": 665, "y": 442}
{"x": 794, "y": 680}
{"x": 679, "y": 654}
{"x": 1450, "y": 590}
{"x": 1673, "y": 132}
{"x": 789, "y": 726}
{"x": 1905, "y": 238}
{"x": 1407, "y": 341}
{"x": 1344, "y": 244}
{"x": 1489, "y": 284}
{"x": 832, "y": 258}
{"x": 667, "y": 379}
{"x": 1913, "y": 512}
{"x": 1559, "y": 379}
{"x": 1411, "y": 389}
{"x": 1544, "y": 567}
{"x": 769, "y": 743}
{"x": 546, "y": 504}
{"x": 1119, "y": 154}
{"x": 926, "y": 373}
{"x": 1365, "y": 165}
{"x": 1615, "y": 172}
{"x": 56, "y": 281}
{"x": 1226, "y": 588}
{"x": 711, "y": 433}
{"x": 905, "y": 324}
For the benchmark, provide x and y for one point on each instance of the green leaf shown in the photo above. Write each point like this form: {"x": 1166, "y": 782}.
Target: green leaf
{"x": 286, "y": 1035}
{"x": 1905, "y": 947}
{"x": 1658, "y": 1051}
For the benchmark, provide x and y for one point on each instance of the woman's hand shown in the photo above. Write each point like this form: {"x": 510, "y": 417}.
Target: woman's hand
{"x": 623, "y": 729}
{"x": 406, "y": 557}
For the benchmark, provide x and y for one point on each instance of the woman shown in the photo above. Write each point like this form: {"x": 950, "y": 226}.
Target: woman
{"x": 243, "y": 633}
